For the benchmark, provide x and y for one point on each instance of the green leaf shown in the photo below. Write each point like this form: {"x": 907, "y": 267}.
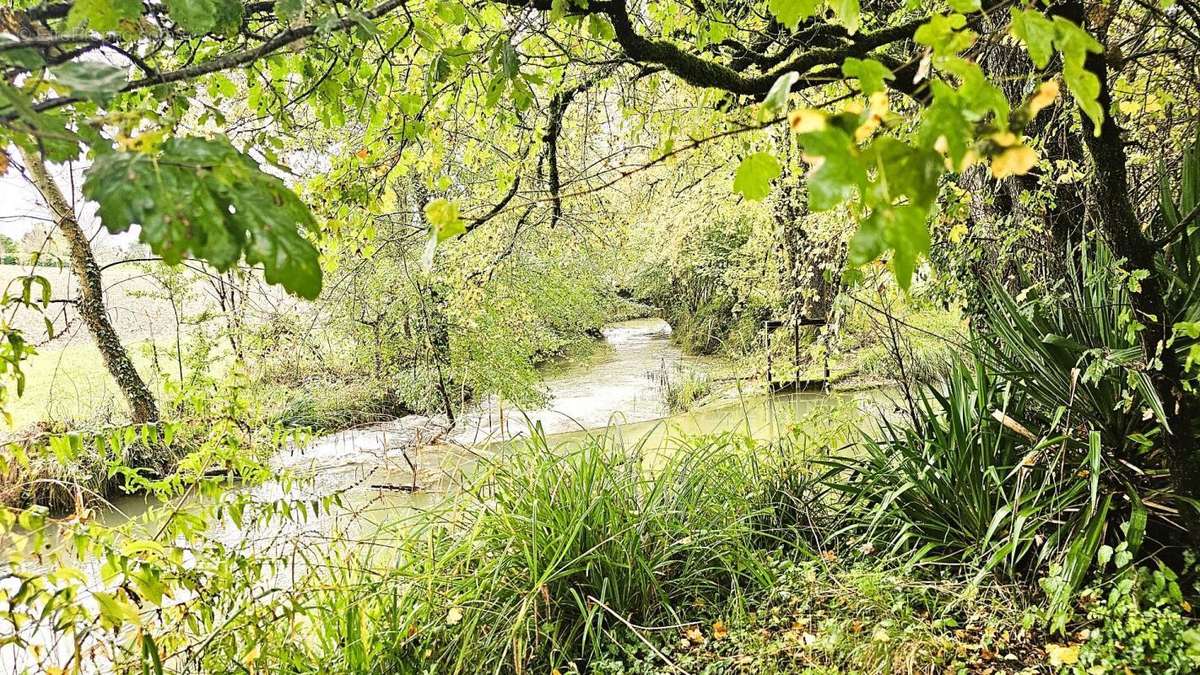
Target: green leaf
{"x": 754, "y": 175}
{"x": 115, "y": 610}
{"x": 1036, "y": 31}
{"x": 789, "y": 13}
{"x": 452, "y": 13}
{"x": 289, "y": 10}
{"x": 601, "y": 28}
{"x": 946, "y": 35}
{"x": 777, "y": 97}
{"x": 904, "y": 173}
{"x": 869, "y": 73}
{"x": 103, "y": 16}
{"x": 22, "y": 57}
{"x": 510, "y": 62}
{"x": 444, "y": 220}
{"x": 901, "y": 229}
{"x": 200, "y": 17}
{"x": 203, "y": 198}
{"x": 45, "y": 133}
{"x": 840, "y": 172}
{"x": 89, "y": 79}
{"x": 965, "y": 6}
{"x": 847, "y": 12}
{"x": 1075, "y": 43}
{"x": 977, "y": 96}
{"x": 943, "y": 122}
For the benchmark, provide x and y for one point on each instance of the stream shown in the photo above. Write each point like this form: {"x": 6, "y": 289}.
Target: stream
{"x": 618, "y": 388}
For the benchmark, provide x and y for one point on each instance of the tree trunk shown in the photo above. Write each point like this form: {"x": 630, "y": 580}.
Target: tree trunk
{"x": 91, "y": 296}
{"x": 1109, "y": 183}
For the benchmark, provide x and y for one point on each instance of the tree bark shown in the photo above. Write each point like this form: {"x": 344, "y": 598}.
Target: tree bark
{"x": 90, "y": 303}
{"x": 1109, "y": 185}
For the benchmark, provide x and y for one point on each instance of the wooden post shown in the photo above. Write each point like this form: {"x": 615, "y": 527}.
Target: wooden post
{"x": 767, "y": 347}
{"x": 796, "y": 349}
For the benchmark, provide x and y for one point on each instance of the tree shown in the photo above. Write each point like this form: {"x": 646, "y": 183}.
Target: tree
{"x": 90, "y": 302}
{"x": 888, "y": 101}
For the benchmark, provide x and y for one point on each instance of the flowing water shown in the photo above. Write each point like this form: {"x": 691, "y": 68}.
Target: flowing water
{"x": 618, "y": 387}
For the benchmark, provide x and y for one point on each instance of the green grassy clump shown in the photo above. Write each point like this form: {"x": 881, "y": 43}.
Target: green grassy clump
{"x": 686, "y": 391}
{"x": 543, "y": 562}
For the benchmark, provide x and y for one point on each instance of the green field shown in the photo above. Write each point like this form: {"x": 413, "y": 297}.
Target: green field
{"x": 71, "y": 383}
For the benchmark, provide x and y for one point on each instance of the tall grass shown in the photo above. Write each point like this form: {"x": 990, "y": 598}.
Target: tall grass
{"x": 544, "y": 561}
{"x": 686, "y": 390}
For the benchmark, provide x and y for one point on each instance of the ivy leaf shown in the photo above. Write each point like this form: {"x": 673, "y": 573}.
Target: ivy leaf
{"x": 103, "y": 16}
{"x": 869, "y": 73}
{"x": 88, "y": 79}
{"x": 789, "y": 13}
{"x": 776, "y": 100}
{"x": 202, "y": 198}
{"x": 754, "y": 175}
{"x": 1036, "y": 31}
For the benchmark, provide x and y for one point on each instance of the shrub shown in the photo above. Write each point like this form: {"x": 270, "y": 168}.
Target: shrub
{"x": 1140, "y": 626}
{"x": 967, "y": 484}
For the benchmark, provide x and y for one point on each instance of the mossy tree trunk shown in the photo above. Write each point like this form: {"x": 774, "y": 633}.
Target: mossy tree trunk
{"x": 1122, "y": 229}
{"x": 90, "y": 302}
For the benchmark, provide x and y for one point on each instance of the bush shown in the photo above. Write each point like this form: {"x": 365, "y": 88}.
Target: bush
{"x": 1140, "y": 626}
{"x": 966, "y": 484}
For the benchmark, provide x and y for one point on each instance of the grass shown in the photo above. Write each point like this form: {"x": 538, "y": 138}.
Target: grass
{"x": 604, "y": 558}
{"x": 72, "y": 383}
{"x": 686, "y": 390}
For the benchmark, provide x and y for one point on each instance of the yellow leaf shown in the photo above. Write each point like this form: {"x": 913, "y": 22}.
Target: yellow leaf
{"x": 719, "y": 631}
{"x": 806, "y": 120}
{"x": 957, "y": 233}
{"x": 443, "y": 216}
{"x": 1005, "y": 139}
{"x": 1045, "y": 95}
{"x": 251, "y": 656}
{"x": 453, "y": 616}
{"x": 694, "y": 635}
{"x": 1062, "y": 656}
{"x": 1014, "y": 161}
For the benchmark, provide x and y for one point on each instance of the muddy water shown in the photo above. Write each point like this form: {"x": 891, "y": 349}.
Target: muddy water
{"x": 617, "y": 388}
